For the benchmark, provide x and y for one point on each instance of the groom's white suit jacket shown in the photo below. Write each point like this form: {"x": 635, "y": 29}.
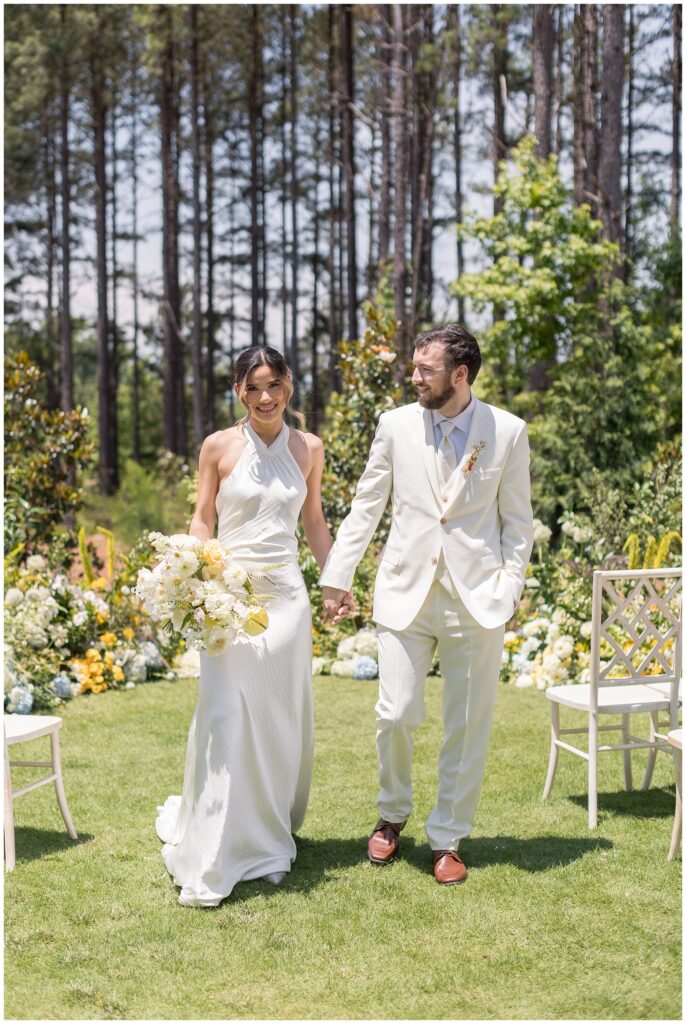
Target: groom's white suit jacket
{"x": 483, "y": 524}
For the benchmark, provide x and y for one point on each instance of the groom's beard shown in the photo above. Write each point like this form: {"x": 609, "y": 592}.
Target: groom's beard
{"x": 435, "y": 401}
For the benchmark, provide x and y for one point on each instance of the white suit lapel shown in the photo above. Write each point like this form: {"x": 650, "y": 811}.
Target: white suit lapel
{"x": 424, "y": 435}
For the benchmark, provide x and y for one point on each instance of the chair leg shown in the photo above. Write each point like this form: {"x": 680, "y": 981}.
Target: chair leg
{"x": 10, "y": 857}
{"x": 592, "y": 770}
{"x": 59, "y": 786}
{"x": 628, "y": 782}
{"x": 652, "y": 752}
{"x": 554, "y": 749}
{"x": 676, "y": 831}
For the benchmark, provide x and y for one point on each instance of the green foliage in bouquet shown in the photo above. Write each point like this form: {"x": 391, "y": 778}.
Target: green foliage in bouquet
{"x": 42, "y": 447}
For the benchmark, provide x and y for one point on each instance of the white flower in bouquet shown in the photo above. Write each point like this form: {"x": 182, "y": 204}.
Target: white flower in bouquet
{"x": 35, "y": 563}
{"x": 79, "y": 618}
{"x": 37, "y": 594}
{"x": 586, "y": 630}
{"x": 14, "y": 597}
{"x": 197, "y": 590}
{"x": 234, "y": 576}
{"x": 59, "y": 583}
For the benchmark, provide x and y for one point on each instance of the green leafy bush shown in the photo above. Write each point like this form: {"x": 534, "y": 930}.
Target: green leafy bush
{"x": 42, "y": 447}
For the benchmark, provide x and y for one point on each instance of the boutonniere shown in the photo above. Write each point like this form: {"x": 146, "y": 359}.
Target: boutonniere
{"x": 473, "y": 456}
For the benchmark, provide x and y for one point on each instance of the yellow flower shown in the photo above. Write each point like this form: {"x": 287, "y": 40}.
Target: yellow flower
{"x": 102, "y": 616}
{"x": 128, "y": 633}
{"x": 109, "y": 659}
{"x": 93, "y": 654}
{"x": 100, "y": 583}
{"x": 109, "y": 639}
{"x": 213, "y": 555}
{"x": 118, "y": 673}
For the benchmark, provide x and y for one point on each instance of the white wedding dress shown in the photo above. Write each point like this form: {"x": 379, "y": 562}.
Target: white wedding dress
{"x": 249, "y": 755}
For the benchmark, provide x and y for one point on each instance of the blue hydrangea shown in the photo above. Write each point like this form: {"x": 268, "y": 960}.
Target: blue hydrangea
{"x": 365, "y": 668}
{"x": 61, "y": 684}
{"x": 24, "y": 702}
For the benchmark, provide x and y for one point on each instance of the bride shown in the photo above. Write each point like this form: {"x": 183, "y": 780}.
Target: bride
{"x": 249, "y": 755}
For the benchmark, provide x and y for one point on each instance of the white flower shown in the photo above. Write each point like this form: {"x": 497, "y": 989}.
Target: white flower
{"x": 347, "y": 647}
{"x": 531, "y": 644}
{"x": 523, "y": 681}
{"x": 125, "y": 589}
{"x": 568, "y": 527}
{"x": 234, "y": 576}
{"x": 542, "y": 533}
{"x": 551, "y": 664}
{"x": 585, "y": 676}
{"x": 559, "y": 615}
{"x": 318, "y": 666}
{"x": 37, "y": 594}
{"x": 343, "y": 667}
{"x": 532, "y": 583}
{"x": 35, "y": 563}
{"x": 535, "y": 626}
{"x": 130, "y": 685}
{"x": 216, "y": 642}
{"x": 509, "y": 636}
{"x": 586, "y": 629}
{"x": 553, "y": 632}
{"x": 187, "y": 664}
{"x": 563, "y": 647}
{"x": 386, "y": 357}
{"x": 13, "y": 597}
{"x": 59, "y": 583}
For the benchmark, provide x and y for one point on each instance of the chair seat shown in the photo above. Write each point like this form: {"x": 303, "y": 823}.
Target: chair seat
{"x": 665, "y": 688}
{"x": 611, "y": 699}
{"x": 674, "y": 737}
{"x": 27, "y": 727}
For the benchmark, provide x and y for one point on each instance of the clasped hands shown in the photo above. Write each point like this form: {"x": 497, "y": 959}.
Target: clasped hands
{"x": 337, "y": 603}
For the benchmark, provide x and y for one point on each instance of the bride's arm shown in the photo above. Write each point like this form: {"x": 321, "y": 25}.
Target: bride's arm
{"x": 316, "y": 531}
{"x": 202, "y": 523}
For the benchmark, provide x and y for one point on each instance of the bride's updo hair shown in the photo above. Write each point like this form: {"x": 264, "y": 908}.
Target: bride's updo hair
{"x": 264, "y": 355}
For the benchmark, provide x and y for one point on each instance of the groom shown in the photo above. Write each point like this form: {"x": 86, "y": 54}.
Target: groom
{"x": 450, "y": 577}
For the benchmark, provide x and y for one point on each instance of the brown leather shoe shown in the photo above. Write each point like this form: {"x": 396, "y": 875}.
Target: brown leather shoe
{"x": 384, "y": 841}
{"x": 448, "y": 868}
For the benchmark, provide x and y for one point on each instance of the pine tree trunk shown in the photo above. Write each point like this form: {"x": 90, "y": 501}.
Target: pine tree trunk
{"x": 136, "y": 378}
{"x": 400, "y": 164}
{"x": 610, "y": 159}
{"x": 173, "y": 363}
{"x": 500, "y": 64}
{"x": 459, "y": 193}
{"x": 295, "y": 251}
{"x": 559, "y": 74}
{"x": 66, "y": 355}
{"x": 372, "y": 262}
{"x": 253, "y": 115}
{"x": 385, "y": 186}
{"x": 196, "y": 340}
{"x": 585, "y": 107}
{"x": 106, "y": 454}
{"x": 314, "y": 357}
{"x": 628, "y": 197}
{"x": 543, "y": 75}
{"x": 348, "y": 159}
{"x": 52, "y": 387}
{"x": 676, "y": 121}
{"x": 113, "y": 321}
{"x": 208, "y": 151}
{"x": 283, "y": 185}
{"x": 334, "y": 323}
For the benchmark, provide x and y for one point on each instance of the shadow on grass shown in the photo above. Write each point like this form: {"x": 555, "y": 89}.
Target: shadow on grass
{"x": 32, "y": 843}
{"x": 639, "y": 803}
{"x": 317, "y": 858}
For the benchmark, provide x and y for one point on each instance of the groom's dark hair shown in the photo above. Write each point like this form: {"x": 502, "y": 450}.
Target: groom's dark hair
{"x": 460, "y": 348}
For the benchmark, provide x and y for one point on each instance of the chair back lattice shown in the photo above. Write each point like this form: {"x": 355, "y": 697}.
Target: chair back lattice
{"x": 636, "y": 634}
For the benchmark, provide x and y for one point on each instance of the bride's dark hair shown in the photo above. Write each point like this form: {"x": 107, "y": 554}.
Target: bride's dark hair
{"x": 263, "y": 355}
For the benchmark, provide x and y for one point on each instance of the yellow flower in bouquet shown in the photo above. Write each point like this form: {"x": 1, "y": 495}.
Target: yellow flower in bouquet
{"x": 213, "y": 554}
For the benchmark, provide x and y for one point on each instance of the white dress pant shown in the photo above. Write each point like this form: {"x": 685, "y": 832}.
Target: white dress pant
{"x": 470, "y": 658}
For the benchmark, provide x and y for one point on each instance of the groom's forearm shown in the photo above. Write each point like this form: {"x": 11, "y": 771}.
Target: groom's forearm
{"x": 368, "y": 505}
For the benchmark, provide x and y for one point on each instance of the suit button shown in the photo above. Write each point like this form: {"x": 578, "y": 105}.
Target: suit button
{"x": 434, "y": 561}
{"x": 444, "y": 520}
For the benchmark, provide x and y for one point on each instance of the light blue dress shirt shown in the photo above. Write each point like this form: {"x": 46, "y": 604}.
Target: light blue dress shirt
{"x": 462, "y": 421}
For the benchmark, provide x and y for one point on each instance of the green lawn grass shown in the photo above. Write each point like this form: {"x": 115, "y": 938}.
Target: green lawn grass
{"x": 554, "y": 922}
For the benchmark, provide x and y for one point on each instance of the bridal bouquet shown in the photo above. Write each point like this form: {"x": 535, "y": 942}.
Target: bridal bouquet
{"x": 198, "y": 590}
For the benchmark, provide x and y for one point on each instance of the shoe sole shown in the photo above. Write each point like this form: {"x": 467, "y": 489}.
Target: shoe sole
{"x": 382, "y": 863}
{"x": 458, "y": 881}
